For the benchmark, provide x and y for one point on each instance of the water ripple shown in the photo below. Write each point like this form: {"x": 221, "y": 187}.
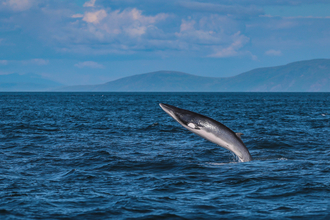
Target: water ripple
{"x": 119, "y": 156}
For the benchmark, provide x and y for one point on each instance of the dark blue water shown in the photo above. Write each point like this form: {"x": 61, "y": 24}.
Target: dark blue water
{"x": 120, "y": 156}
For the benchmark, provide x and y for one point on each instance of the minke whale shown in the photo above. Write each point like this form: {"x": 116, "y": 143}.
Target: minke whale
{"x": 210, "y": 129}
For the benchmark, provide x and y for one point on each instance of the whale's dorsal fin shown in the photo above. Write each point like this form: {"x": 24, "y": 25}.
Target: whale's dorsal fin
{"x": 239, "y": 135}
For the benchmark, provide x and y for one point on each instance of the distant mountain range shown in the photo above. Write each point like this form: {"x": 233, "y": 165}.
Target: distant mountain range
{"x": 26, "y": 82}
{"x": 302, "y": 76}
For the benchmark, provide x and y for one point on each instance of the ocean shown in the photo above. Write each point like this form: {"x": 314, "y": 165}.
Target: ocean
{"x": 120, "y": 156}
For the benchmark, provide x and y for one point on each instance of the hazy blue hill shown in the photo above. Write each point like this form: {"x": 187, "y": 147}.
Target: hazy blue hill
{"x": 26, "y": 82}
{"x": 302, "y": 76}
{"x": 162, "y": 81}
{"x": 156, "y": 81}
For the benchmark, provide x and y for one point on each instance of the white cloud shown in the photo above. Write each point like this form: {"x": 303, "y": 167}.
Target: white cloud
{"x": 212, "y": 36}
{"x": 18, "y": 5}
{"x": 275, "y": 23}
{"x": 239, "y": 41}
{"x": 207, "y": 31}
{"x": 3, "y": 62}
{"x": 90, "y": 64}
{"x": 129, "y": 31}
{"x": 77, "y": 16}
{"x": 129, "y": 23}
{"x": 95, "y": 17}
{"x": 90, "y": 3}
{"x": 105, "y": 31}
{"x": 273, "y": 53}
{"x": 39, "y": 62}
{"x": 187, "y": 25}
{"x": 222, "y": 9}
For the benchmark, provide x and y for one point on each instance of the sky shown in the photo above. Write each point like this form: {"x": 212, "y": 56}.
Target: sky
{"x": 78, "y": 42}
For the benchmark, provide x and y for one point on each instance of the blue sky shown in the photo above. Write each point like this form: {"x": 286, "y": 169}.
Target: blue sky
{"x": 95, "y": 41}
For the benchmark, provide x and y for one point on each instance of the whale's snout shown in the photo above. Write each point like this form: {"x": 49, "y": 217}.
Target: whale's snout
{"x": 173, "y": 111}
{"x": 162, "y": 105}
{"x": 169, "y": 109}
{"x": 165, "y": 106}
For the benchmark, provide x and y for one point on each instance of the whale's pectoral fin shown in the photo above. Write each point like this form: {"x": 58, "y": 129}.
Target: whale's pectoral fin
{"x": 193, "y": 126}
{"x": 239, "y": 135}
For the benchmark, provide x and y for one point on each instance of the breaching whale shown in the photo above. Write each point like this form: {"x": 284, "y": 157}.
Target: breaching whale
{"x": 209, "y": 129}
